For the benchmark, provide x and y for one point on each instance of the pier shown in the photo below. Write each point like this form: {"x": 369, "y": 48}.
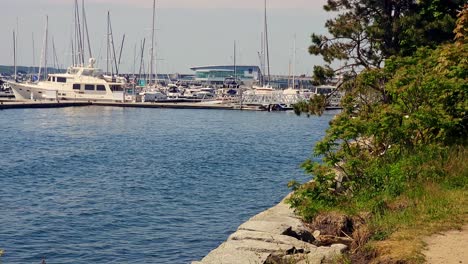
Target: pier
{"x": 39, "y": 104}
{"x": 173, "y": 105}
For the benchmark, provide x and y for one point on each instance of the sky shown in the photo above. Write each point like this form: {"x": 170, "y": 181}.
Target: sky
{"x": 188, "y": 32}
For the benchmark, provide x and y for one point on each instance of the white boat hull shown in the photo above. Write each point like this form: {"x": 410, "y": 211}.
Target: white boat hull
{"x": 32, "y": 91}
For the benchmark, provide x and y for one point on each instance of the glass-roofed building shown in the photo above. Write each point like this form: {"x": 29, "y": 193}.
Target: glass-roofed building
{"x": 218, "y": 73}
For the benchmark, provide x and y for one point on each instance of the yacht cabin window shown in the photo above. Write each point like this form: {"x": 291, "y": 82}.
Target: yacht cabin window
{"x": 100, "y": 88}
{"x": 116, "y": 88}
{"x": 76, "y": 86}
{"x": 61, "y": 79}
{"x": 89, "y": 87}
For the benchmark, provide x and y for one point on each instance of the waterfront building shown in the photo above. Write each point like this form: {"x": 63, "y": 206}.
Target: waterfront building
{"x": 216, "y": 74}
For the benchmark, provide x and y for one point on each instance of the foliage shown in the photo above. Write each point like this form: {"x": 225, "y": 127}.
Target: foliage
{"x": 380, "y": 148}
{"x": 366, "y": 32}
{"x": 461, "y": 30}
{"x": 394, "y": 113}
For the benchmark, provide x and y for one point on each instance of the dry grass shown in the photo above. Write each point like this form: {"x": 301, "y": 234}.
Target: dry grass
{"x": 438, "y": 211}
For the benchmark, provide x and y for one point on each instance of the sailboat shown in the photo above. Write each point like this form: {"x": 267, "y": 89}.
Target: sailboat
{"x": 80, "y": 82}
{"x": 291, "y": 90}
{"x": 265, "y": 87}
{"x": 151, "y": 91}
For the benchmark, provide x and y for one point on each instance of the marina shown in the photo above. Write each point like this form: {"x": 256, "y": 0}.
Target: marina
{"x": 108, "y": 157}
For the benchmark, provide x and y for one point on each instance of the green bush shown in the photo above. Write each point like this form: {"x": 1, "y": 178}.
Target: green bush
{"x": 383, "y": 148}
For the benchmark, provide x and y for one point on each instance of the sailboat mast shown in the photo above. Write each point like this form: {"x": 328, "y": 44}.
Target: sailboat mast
{"x": 78, "y": 35}
{"x": 142, "y": 60}
{"x": 43, "y": 62}
{"x": 266, "y": 43}
{"x": 152, "y": 42}
{"x": 73, "y": 52}
{"x": 294, "y": 64}
{"x": 82, "y": 33}
{"x": 14, "y": 52}
{"x": 262, "y": 57}
{"x": 113, "y": 49}
{"x": 16, "y": 47}
{"x": 56, "y": 62}
{"x": 46, "y": 46}
{"x": 85, "y": 25}
{"x": 107, "y": 46}
{"x": 33, "y": 53}
{"x": 121, "y": 48}
{"x": 235, "y": 65}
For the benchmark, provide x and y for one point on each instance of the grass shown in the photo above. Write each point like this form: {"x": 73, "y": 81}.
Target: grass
{"x": 432, "y": 199}
{"x": 424, "y": 208}
{"x": 436, "y": 210}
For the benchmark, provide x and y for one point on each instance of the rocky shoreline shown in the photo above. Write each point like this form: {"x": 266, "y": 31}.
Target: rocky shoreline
{"x": 272, "y": 236}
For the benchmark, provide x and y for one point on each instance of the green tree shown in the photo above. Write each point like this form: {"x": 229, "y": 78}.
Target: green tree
{"x": 396, "y": 104}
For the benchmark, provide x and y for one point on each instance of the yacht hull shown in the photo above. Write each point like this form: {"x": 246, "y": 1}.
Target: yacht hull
{"x": 31, "y": 91}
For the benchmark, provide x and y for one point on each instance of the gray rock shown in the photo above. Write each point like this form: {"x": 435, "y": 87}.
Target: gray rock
{"x": 277, "y": 233}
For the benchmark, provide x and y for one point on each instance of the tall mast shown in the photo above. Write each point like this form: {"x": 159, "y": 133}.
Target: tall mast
{"x": 85, "y": 29}
{"x": 121, "y": 49}
{"x": 33, "y": 53}
{"x": 142, "y": 61}
{"x": 82, "y": 32}
{"x": 55, "y": 58}
{"x": 134, "y": 61}
{"x": 16, "y": 47}
{"x": 262, "y": 58}
{"x": 107, "y": 46}
{"x": 235, "y": 69}
{"x": 44, "y": 51}
{"x": 113, "y": 49}
{"x": 46, "y": 46}
{"x": 294, "y": 64}
{"x": 14, "y": 52}
{"x": 152, "y": 42}
{"x": 266, "y": 44}
{"x": 73, "y": 52}
{"x": 79, "y": 37}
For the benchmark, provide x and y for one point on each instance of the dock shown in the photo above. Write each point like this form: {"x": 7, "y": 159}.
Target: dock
{"x": 172, "y": 105}
{"x": 8, "y": 104}
{"x": 39, "y": 104}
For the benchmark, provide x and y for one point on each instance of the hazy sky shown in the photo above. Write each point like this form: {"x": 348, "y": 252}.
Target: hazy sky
{"x": 189, "y": 32}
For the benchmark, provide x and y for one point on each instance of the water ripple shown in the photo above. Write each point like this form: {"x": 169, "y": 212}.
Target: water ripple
{"x": 113, "y": 185}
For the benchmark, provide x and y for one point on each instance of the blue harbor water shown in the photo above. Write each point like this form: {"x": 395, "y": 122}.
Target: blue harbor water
{"x": 115, "y": 185}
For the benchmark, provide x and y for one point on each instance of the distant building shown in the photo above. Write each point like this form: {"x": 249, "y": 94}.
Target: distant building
{"x": 218, "y": 73}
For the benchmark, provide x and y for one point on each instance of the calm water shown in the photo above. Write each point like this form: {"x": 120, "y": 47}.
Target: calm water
{"x": 113, "y": 185}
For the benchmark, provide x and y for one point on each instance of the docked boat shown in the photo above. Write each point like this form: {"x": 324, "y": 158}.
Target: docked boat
{"x": 5, "y": 90}
{"x": 78, "y": 83}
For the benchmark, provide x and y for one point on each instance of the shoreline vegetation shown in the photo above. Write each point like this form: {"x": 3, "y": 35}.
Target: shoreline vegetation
{"x": 394, "y": 161}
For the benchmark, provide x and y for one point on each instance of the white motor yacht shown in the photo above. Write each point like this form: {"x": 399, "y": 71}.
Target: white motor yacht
{"x": 78, "y": 83}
